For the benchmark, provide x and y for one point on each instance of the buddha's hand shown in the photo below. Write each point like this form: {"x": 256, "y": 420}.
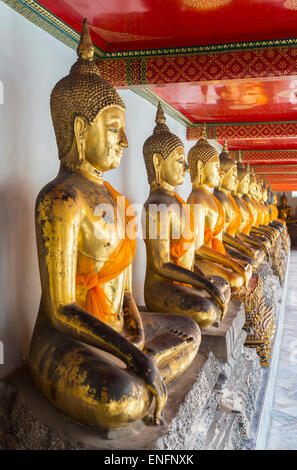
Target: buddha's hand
{"x": 151, "y": 375}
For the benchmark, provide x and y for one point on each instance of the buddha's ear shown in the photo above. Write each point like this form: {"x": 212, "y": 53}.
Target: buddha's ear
{"x": 157, "y": 162}
{"x": 157, "y": 159}
{"x": 80, "y": 128}
{"x": 200, "y": 170}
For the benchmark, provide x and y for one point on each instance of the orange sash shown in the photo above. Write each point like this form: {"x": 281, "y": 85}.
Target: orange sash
{"x": 258, "y": 220}
{"x": 247, "y": 228}
{"x": 210, "y": 236}
{"x": 235, "y": 223}
{"x": 179, "y": 247}
{"x": 266, "y": 215}
{"x": 97, "y": 302}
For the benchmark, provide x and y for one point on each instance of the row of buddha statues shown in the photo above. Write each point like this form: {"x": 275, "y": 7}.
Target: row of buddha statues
{"x": 94, "y": 355}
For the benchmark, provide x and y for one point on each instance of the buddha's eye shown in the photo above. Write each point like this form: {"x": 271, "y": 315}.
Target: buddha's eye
{"x": 113, "y": 129}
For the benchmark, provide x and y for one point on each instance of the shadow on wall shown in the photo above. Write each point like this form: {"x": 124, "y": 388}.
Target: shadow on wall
{"x": 19, "y": 276}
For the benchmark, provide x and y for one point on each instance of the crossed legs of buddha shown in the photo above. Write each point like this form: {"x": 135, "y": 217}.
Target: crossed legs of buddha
{"x": 170, "y": 298}
{"x": 95, "y": 388}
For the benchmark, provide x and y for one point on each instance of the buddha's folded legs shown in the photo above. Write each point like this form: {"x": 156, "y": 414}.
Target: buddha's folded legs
{"x": 94, "y": 387}
{"x": 173, "y": 341}
{"x": 178, "y": 299}
{"x": 235, "y": 280}
{"x": 90, "y": 386}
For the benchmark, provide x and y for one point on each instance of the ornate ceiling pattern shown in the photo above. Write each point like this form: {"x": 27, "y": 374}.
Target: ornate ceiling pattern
{"x": 230, "y": 64}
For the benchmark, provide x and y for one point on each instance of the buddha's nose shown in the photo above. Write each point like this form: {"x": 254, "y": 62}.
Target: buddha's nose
{"x": 186, "y": 167}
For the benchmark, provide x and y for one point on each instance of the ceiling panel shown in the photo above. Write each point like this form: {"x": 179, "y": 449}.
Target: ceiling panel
{"x": 146, "y": 24}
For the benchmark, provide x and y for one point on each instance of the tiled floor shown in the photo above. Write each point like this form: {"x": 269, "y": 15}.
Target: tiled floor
{"x": 283, "y": 430}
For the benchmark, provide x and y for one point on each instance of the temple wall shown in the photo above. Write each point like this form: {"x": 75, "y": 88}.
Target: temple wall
{"x": 31, "y": 62}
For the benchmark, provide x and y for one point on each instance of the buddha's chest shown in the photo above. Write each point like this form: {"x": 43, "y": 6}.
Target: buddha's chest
{"x": 102, "y": 227}
{"x": 244, "y": 212}
{"x": 211, "y": 213}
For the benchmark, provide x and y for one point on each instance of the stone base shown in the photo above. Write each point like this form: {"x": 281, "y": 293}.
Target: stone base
{"x": 222, "y": 340}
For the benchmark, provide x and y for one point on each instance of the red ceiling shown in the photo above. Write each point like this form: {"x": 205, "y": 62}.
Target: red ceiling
{"x": 146, "y": 24}
{"x": 234, "y": 101}
{"x": 131, "y": 25}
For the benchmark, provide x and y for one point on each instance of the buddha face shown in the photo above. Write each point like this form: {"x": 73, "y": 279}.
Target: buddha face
{"x": 243, "y": 186}
{"x": 211, "y": 175}
{"x": 105, "y": 139}
{"x": 229, "y": 180}
{"x": 173, "y": 167}
{"x": 283, "y": 201}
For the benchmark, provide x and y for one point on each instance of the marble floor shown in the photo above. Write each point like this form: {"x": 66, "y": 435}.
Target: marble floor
{"x": 283, "y": 429}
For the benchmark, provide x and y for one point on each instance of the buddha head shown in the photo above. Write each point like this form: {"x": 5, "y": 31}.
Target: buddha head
{"x": 88, "y": 114}
{"x": 228, "y": 180}
{"x": 253, "y": 188}
{"x": 243, "y": 176}
{"x": 204, "y": 163}
{"x": 164, "y": 154}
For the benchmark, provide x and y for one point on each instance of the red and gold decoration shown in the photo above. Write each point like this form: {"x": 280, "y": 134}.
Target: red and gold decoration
{"x": 201, "y": 61}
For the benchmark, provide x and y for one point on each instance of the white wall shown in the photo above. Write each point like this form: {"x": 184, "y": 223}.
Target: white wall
{"x": 31, "y": 62}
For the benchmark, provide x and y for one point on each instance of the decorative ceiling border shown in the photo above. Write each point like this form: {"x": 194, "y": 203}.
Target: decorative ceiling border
{"x": 267, "y": 157}
{"x": 49, "y": 22}
{"x": 245, "y": 130}
{"x": 274, "y": 169}
{"x": 202, "y": 49}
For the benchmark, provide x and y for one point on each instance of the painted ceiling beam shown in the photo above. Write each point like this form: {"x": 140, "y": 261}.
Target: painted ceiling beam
{"x": 204, "y": 67}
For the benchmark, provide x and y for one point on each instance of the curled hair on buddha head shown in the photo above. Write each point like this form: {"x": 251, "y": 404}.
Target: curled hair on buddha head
{"x": 161, "y": 142}
{"x": 81, "y": 93}
{"x": 226, "y": 162}
{"x": 202, "y": 151}
{"x": 242, "y": 170}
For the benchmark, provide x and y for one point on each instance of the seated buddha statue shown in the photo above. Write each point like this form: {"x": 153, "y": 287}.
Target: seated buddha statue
{"x": 92, "y": 354}
{"x": 263, "y": 199}
{"x": 243, "y": 230}
{"x": 279, "y": 223}
{"x": 171, "y": 285}
{"x": 238, "y": 250}
{"x": 272, "y": 203}
{"x": 211, "y": 257}
{"x": 285, "y": 212}
{"x": 257, "y": 232}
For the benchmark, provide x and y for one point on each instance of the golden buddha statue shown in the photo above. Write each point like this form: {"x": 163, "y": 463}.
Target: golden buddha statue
{"x": 237, "y": 249}
{"x": 171, "y": 285}
{"x": 92, "y": 354}
{"x": 273, "y": 210}
{"x": 257, "y": 231}
{"x": 243, "y": 230}
{"x": 285, "y": 212}
{"x": 277, "y": 222}
{"x": 211, "y": 257}
{"x": 264, "y": 220}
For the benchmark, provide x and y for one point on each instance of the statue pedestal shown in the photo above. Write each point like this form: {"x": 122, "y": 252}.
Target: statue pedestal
{"x": 208, "y": 407}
